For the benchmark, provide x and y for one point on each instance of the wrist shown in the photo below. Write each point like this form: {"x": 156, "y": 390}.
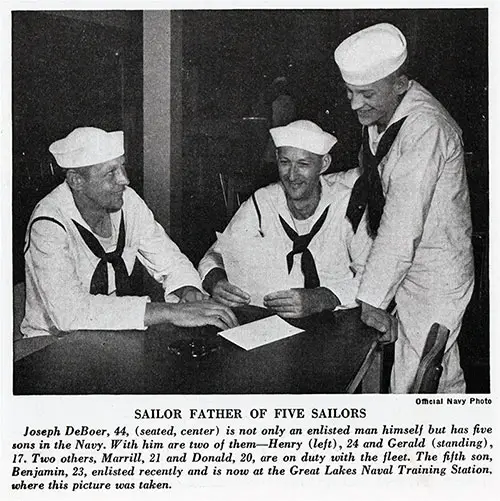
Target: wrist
{"x": 327, "y": 299}
{"x": 182, "y": 291}
{"x": 214, "y": 276}
{"x": 158, "y": 313}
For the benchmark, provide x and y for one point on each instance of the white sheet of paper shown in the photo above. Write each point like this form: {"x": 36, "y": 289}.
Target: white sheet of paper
{"x": 260, "y": 332}
{"x": 252, "y": 265}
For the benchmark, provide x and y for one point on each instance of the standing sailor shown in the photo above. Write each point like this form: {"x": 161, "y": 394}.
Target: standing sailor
{"x": 414, "y": 189}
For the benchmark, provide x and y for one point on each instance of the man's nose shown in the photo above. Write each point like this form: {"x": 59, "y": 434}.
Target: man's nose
{"x": 122, "y": 178}
{"x": 356, "y": 101}
{"x": 292, "y": 173}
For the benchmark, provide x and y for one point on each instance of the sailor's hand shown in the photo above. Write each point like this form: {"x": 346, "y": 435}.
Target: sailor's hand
{"x": 195, "y": 314}
{"x": 381, "y": 320}
{"x": 296, "y": 303}
{"x": 228, "y": 294}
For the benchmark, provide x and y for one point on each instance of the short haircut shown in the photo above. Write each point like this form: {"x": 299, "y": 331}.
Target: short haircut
{"x": 403, "y": 70}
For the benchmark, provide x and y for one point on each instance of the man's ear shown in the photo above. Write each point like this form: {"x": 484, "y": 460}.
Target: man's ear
{"x": 325, "y": 162}
{"x": 74, "y": 179}
{"x": 401, "y": 84}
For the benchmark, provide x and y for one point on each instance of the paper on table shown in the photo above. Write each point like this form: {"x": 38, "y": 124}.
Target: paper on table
{"x": 260, "y": 332}
{"x": 255, "y": 265}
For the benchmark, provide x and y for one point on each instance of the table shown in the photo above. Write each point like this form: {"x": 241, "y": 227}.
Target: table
{"x": 335, "y": 354}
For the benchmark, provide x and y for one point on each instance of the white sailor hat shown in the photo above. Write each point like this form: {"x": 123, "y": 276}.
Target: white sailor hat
{"x": 305, "y": 135}
{"x": 87, "y": 146}
{"x": 371, "y": 54}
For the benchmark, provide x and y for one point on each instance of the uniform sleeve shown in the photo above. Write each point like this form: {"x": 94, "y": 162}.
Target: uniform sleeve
{"x": 212, "y": 259}
{"x": 345, "y": 290}
{"x": 161, "y": 256}
{"x": 358, "y": 247}
{"x": 410, "y": 191}
{"x": 66, "y": 301}
{"x": 244, "y": 222}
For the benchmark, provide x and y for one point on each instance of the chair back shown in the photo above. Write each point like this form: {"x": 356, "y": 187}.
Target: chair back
{"x": 430, "y": 368}
{"x": 235, "y": 189}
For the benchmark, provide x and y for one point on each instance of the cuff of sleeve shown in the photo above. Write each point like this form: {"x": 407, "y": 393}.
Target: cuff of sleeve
{"x": 346, "y": 291}
{"x": 205, "y": 271}
{"x": 193, "y": 281}
{"x": 372, "y": 299}
{"x": 207, "y": 264}
{"x": 148, "y": 300}
{"x": 133, "y": 315}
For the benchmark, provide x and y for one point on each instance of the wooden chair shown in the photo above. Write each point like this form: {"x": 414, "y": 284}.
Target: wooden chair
{"x": 235, "y": 189}
{"x": 430, "y": 367}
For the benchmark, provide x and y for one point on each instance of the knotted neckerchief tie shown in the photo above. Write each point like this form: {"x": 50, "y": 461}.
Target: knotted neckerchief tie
{"x": 300, "y": 244}
{"x": 367, "y": 190}
{"x": 99, "y": 282}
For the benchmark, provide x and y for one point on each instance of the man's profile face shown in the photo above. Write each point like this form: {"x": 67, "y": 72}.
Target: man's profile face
{"x": 299, "y": 172}
{"x": 375, "y": 103}
{"x": 105, "y": 183}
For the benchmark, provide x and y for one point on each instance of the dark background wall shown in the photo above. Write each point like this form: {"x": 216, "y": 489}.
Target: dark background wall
{"x": 69, "y": 71}
{"x": 231, "y": 57}
{"x": 238, "y": 53}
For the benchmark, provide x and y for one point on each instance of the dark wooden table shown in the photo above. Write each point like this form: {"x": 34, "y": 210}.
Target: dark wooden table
{"x": 335, "y": 354}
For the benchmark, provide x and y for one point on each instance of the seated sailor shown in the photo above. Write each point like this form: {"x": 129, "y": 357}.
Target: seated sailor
{"x": 83, "y": 239}
{"x": 291, "y": 243}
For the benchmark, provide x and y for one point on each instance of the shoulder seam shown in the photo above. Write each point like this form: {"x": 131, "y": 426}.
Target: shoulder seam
{"x": 40, "y": 218}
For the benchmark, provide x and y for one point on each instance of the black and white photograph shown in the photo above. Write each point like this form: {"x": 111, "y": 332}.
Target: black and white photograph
{"x": 259, "y": 228}
{"x": 234, "y": 186}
